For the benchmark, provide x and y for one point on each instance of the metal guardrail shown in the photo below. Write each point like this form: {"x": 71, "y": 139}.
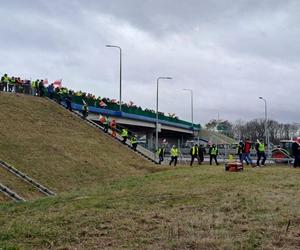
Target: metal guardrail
{"x": 27, "y": 179}
{"x": 11, "y": 194}
{"x": 147, "y": 154}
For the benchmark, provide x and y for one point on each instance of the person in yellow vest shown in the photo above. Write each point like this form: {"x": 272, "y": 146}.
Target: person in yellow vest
{"x": 260, "y": 150}
{"x": 134, "y": 142}
{"x": 124, "y": 134}
{"x": 33, "y": 87}
{"x": 213, "y": 153}
{"x": 174, "y": 155}
{"x": 106, "y": 123}
{"x": 12, "y": 84}
{"x": 161, "y": 152}
{"x": 4, "y": 82}
{"x": 194, "y": 154}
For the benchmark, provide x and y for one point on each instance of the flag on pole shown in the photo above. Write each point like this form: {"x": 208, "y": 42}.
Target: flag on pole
{"x": 57, "y": 83}
{"x": 102, "y": 104}
{"x": 46, "y": 82}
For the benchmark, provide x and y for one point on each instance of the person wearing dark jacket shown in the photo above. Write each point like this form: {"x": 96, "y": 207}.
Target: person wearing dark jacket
{"x": 194, "y": 154}
{"x": 296, "y": 153}
{"x": 161, "y": 152}
{"x": 68, "y": 101}
{"x": 201, "y": 152}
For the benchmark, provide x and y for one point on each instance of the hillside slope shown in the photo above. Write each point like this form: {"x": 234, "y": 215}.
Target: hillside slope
{"x": 56, "y": 148}
{"x": 215, "y": 137}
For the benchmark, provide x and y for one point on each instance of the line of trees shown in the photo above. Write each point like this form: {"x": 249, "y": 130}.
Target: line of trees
{"x": 255, "y": 129}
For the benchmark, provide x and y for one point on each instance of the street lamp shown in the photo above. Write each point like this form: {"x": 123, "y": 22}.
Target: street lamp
{"x": 114, "y": 46}
{"x": 192, "y": 108}
{"x": 266, "y": 122}
{"x": 156, "y": 127}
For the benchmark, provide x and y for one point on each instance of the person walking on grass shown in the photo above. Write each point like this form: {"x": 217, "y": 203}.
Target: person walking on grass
{"x": 246, "y": 152}
{"x": 213, "y": 153}
{"x": 201, "y": 152}
{"x": 160, "y": 152}
{"x": 260, "y": 150}
{"x": 174, "y": 155}
{"x": 194, "y": 154}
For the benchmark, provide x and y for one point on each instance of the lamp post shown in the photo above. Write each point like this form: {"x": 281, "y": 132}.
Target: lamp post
{"x": 156, "y": 127}
{"x": 266, "y": 122}
{"x": 120, "y": 50}
{"x": 192, "y": 108}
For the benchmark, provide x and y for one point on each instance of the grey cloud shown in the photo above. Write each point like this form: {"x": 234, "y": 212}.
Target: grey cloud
{"x": 229, "y": 52}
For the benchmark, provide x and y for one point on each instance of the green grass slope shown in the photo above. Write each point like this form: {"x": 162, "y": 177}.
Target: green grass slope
{"x": 57, "y": 149}
{"x": 186, "y": 208}
{"x": 215, "y": 137}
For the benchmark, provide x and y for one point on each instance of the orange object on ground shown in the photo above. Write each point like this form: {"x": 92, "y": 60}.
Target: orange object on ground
{"x": 234, "y": 167}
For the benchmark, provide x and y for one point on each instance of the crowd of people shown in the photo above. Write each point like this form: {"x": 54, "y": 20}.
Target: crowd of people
{"x": 18, "y": 85}
{"x": 39, "y": 88}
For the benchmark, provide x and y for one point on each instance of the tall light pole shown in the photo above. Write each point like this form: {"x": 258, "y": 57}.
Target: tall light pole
{"x": 192, "y": 108}
{"x": 156, "y": 127}
{"x": 266, "y": 124}
{"x": 120, "y": 50}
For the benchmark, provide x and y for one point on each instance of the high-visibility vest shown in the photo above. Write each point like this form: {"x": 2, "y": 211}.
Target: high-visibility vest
{"x": 133, "y": 140}
{"x": 194, "y": 150}
{"x": 261, "y": 147}
{"x": 174, "y": 151}
{"x": 214, "y": 151}
{"x": 124, "y": 132}
{"x": 161, "y": 151}
{"x": 33, "y": 84}
{"x": 6, "y": 79}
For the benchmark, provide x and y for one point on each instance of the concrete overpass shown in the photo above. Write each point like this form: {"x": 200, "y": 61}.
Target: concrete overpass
{"x": 144, "y": 126}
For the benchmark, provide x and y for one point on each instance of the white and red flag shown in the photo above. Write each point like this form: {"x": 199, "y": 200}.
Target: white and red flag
{"x": 57, "y": 83}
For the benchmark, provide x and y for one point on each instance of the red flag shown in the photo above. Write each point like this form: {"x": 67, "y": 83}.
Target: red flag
{"x": 57, "y": 83}
{"x": 46, "y": 82}
{"x": 102, "y": 104}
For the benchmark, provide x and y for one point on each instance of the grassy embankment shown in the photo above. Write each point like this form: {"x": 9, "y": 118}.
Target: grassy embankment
{"x": 57, "y": 149}
{"x": 185, "y": 208}
{"x": 115, "y": 202}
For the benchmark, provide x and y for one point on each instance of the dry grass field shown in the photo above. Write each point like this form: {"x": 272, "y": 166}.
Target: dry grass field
{"x": 184, "y": 208}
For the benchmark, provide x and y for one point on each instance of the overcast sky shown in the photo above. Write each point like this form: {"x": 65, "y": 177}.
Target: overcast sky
{"x": 229, "y": 52}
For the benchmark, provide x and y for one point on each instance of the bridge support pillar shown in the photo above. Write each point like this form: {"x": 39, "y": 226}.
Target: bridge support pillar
{"x": 150, "y": 140}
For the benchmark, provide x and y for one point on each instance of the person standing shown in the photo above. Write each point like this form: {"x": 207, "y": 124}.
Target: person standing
{"x": 213, "y": 153}
{"x": 260, "y": 150}
{"x": 68, "y": 100}
{"x": 174, "y": 155}
{"x": 160, "y": 152}
{"x": 201, "y": 152}
{"x": 239, "y": 152}
{"x": 246, "y": 152}
{"x": 85, "y": 110}
{"x": 113, "y": 126}
{"x": 296, "y": 153}
{"x": 194, "y": 154}
{"x": 124, "y": 135}
{"x": 41, "y": 87}
{"x": 134, "y": 142}
{"x": 106, "y": 124}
